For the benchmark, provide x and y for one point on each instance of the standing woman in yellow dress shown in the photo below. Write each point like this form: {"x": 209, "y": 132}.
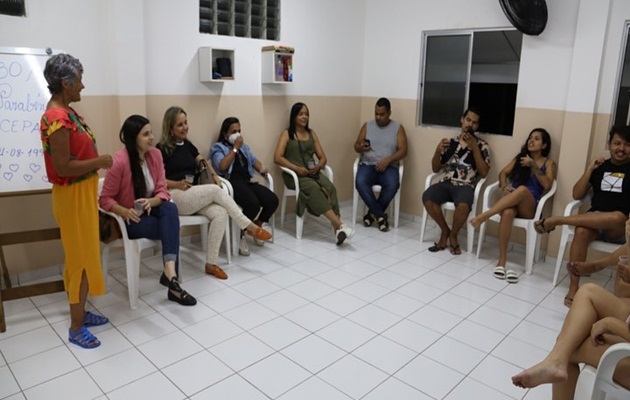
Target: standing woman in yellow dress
{"x": 72, "y": 162}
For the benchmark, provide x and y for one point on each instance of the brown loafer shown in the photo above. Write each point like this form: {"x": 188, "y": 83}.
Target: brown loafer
{"x": 260, "y": 234}
{"x": 215, "y": 270}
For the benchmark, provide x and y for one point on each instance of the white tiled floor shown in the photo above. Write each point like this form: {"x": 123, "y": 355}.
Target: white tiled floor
{"x": 378, "y": 318}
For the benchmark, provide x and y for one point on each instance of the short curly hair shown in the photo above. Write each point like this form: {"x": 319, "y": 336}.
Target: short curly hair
{"x": 59, "y": 67}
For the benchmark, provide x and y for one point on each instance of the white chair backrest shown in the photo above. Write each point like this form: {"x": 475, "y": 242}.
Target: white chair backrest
{"x": 598, "y": 384}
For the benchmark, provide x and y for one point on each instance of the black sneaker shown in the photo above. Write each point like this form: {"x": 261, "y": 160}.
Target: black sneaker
{"x": 368, "y": 220}
{"x": 383, "y": 225}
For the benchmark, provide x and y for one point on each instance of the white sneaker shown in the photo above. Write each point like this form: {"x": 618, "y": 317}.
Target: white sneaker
{"x": 342, "y": 234}
{"x": 243, "y": 249}
{"x": 259, "y": 242}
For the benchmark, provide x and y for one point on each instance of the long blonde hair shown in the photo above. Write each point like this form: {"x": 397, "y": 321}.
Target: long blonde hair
{"x": 167, "y": 143}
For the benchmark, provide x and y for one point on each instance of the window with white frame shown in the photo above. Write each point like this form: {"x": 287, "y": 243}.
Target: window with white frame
{"x": 257, "y": 19}
{"x": 621, "y": 107}
{"x": 462, "y": 69}
{"x": 13, "y": 7}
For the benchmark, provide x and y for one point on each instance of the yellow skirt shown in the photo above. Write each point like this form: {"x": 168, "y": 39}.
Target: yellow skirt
{"x": 75, "y": 209}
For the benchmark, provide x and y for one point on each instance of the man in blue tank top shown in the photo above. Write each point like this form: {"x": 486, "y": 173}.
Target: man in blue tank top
{"x": 382, "y": 143}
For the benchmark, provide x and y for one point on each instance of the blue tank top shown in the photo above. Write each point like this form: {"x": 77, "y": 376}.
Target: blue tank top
{"x": 532, "y": 184}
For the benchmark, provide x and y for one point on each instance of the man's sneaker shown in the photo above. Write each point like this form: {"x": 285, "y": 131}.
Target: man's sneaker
{"x": 383, "y": 225}
{"x": 368, "y": 220}
{"x": 342, "y": 234}
{"x": 243, "y": 249}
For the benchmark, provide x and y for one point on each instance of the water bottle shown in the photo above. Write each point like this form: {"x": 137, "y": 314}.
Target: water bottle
{"x": 278, "y": 68}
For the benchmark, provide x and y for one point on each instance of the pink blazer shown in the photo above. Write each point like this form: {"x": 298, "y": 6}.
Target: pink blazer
{"x": 118, "y": 188}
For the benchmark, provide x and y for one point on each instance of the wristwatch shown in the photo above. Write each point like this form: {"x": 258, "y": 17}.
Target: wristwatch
{"x": 235, "y": 151}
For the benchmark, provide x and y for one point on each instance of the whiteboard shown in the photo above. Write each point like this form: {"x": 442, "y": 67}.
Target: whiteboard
{"x": 23, "y": 98}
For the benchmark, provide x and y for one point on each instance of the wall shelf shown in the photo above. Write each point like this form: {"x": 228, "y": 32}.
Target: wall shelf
{"x": 277, "y": 64}
{"x": 216, "y": 65}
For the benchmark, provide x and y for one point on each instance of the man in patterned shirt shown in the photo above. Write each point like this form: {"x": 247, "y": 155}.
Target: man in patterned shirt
{"x": 465, "y": 158}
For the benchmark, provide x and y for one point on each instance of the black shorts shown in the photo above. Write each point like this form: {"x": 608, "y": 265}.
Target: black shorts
{"x": 443, "y": 192}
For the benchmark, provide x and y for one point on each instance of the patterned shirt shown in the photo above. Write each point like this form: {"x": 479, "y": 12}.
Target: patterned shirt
{"x": 82, "y": 143}
{"x": 459, "y": 162}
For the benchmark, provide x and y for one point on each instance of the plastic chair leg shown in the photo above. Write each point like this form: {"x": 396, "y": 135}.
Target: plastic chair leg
{"x": 132, "y": 260}
{"x": 563, "y": 246}
{"x": 470, "y": 235}
{"x": 530, "y": 250}
{"x": 396, "y": 208}
{"x": 482, "y": 236}
{"x": 355, "y": 204}
{"x": 299, "y": 225}
{"x": 203, "y": 234}
{"x": 283, "y": 206}
{"x": 105, "y": 263}
{"x": 423, "y": 226}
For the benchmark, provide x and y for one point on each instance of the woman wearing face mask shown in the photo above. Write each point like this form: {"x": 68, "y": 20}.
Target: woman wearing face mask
{"x": 181, "y": 158}
{"x": 234, "y": 160}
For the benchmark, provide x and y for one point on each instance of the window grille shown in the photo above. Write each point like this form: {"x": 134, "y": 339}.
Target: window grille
{"x": 256, "y": 19}
{"x": 13, "y": 7}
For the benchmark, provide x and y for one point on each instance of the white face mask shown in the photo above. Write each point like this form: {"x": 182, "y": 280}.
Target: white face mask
{"x": 232, "y": 138}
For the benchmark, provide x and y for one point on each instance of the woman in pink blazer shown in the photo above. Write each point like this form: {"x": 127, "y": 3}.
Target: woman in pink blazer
{"x": 135, "y": 189}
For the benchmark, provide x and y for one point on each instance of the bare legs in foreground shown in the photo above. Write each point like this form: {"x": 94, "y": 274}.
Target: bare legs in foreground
{"x": 595, "y": 322}
{"x": 587, "y": 228}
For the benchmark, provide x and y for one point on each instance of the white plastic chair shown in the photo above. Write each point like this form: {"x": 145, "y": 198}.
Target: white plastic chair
{"x": 133, "y": 248}
{"x": 567, "y": 236}
{"x": 202, "y": 221}
{"x": 433, "y": 177}
{"x": 376, "y": 189}
{"x": 597, "y": 383}
{"x": 532, "y": 239}
{"x": 235, "y": 229}
{"x": 299, "y": 221}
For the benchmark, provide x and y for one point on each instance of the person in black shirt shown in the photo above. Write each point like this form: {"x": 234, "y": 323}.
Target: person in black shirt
{"x": 605, "y": 220}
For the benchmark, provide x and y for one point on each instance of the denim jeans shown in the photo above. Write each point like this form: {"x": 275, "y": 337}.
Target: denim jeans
{"x": 162, "y": 225}
{"x": 389, "y": 180}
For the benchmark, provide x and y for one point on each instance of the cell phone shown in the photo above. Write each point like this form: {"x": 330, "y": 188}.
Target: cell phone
{"x": 366, "y": 142}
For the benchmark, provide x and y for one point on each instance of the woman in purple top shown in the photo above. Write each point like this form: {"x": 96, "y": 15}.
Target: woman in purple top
{"x": 522, "y": 181}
